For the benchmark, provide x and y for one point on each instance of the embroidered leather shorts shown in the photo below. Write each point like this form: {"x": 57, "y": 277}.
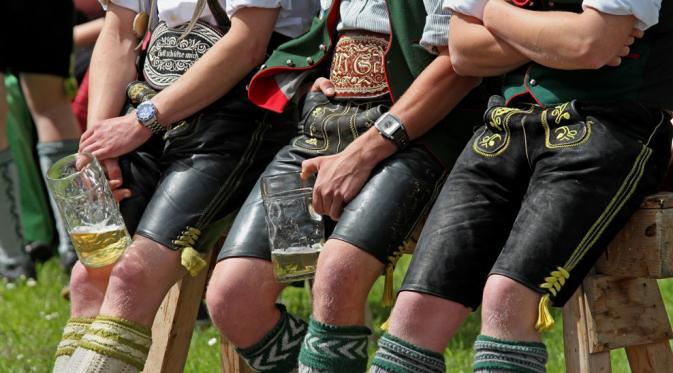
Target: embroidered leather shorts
{"x": 537, "y": 195}
{"x": 201, "y": 170}
{"x": 385, "y": 212}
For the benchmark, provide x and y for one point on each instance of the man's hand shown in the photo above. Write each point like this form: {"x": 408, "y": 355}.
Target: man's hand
{"x": 114, "y": 137}
{"x": 323, "y": 85}
{"x": 340, "y": 179}
{"x": 114, "y": 177}
{"x": 626, "y": 50}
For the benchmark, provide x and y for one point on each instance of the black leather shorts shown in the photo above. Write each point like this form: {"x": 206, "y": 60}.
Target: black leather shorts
{"x": 536, "y": 196}
{"x": 201, "y": 171}
{"x": 387, "y": 208}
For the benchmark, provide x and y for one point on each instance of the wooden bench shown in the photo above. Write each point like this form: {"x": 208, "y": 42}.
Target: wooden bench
{"x": 620, "y": 306}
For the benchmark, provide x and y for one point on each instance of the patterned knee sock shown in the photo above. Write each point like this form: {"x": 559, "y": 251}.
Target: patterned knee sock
{"x": 73, "y": 331}
{"x": 335, "y": 349}
{"x": 12, "y": 252}
{"x": 277, "y": 351}
{"x": 48, "y": 153}
{"x": 111, "y": 344}
{"x": 395, "y": 355}
{"x": 494, "y": 355}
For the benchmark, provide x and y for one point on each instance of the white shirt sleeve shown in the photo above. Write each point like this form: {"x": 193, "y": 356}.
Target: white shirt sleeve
{"x": 645, "y": 11}
{"x": 235, "y": 5}
{"x": 294, "y": 17}
{"x": 474, "y": 8}
{"x": 133, "y": 5}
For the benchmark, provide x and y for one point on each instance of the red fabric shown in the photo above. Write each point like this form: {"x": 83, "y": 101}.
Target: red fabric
{"x": 81, "y": 102}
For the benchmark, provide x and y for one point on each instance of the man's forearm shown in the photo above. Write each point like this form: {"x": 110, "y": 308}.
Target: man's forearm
{"x": 560, "y": 40}
{"x": 112, "y": 65}
{"x": 475, "y": 51}
{"x": 221, "y": 68}
{"x": 436, "y": 91}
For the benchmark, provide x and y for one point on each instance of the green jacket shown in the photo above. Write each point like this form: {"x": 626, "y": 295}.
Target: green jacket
{"x": 645, "y": 75}
{"x": 275, "y": 84}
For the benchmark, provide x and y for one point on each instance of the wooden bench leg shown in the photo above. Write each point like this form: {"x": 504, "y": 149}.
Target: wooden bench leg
{"x": 231, "y": 361}
{"x": 650, "y": 358}
{"x": 174, "y": 324}
{"x": 576, "y": 340}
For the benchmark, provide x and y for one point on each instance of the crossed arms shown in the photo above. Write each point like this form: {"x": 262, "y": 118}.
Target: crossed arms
{"x": 509, "y": 37}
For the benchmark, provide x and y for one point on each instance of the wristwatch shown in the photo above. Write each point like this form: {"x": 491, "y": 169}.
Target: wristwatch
{"x": 146, "y": 113}
{"x": 391, "y": 128}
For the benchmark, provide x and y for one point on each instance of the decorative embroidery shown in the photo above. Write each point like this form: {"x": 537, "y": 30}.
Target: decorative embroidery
{"x": 168, "y": 56}
{"x": 557, "y": 279}
{"x": 567, "y": 126}
{"x": 495, "y": 136}
{"x": 358, "y": 65}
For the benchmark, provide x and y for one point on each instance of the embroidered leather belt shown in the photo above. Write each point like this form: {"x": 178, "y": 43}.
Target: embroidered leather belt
{"x": 358, "y": 65}
{"x": 169, "y": 56}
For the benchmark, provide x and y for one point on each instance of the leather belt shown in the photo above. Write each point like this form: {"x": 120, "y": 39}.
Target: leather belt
{"x": 358, "y": 65}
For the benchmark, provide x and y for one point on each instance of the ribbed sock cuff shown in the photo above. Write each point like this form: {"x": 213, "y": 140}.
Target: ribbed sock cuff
{"x": 277, "y": 351}
{"x": 396, "y": 355}
{"x": 73, "y": 331}
{"x": 60, "y": 149}
{"x": 119, "y": 339}
{"x": 509, "y": 356}
{"x": 334, "y": 348}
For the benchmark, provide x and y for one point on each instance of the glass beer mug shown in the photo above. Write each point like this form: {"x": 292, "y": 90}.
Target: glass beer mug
{"x": 90, "y": 214}
{"x": 296, "y": 232}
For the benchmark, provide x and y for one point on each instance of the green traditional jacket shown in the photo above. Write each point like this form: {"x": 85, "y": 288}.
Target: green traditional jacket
{"x": 274, "y": 86}
{"x": 645, "y": 75}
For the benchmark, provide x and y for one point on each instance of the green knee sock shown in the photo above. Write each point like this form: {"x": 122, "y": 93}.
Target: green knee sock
{"x": 277, "y": 351}
{"x": 111, "y": 344}
{"x": 494, "y": 355}
{"x": 332, "y": 348}
{"x": 395, "y": 355}
{"x": 73, "y": 331}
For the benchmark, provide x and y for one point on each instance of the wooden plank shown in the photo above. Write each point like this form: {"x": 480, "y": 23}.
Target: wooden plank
{"x": 643, "y": 248}
{"x": 576, "y": 341}
{"x": 624, "y": 312}
{"x": 663, "y": 200}
{"x": 173, "y": 325}
{"x": 231, "y": 361}
{"x": 650, "y": 358}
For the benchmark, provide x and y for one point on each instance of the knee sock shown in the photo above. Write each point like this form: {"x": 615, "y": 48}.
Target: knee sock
{"x": 494, "y": 355}
{"x": 49, "y": 153}
{"x": 73, "y": 331}
{"x": 12, "y": 252}
{"x": 111, "y": 345}
{"x": 277, "y": 351}
{"x": 395, "y": 355}
{"x": 332, "y": 348}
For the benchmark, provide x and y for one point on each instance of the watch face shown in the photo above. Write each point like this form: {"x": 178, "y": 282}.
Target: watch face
{"x": 389, "y": 126}
{"x": 145, "y": 112}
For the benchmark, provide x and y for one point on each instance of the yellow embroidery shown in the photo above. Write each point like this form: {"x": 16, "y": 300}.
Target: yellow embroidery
{"x": 559, "y": 113}
{"x": 552, "y": 284}
{"x": 312, "y": 141}
{"x": 489, "y": 141}
{"x": 564, "y": 133}
{"x": 189, "y": 257}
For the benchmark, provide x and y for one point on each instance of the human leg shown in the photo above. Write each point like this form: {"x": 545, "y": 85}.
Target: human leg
{"x": 14, "y": 261}
{"x": 583, "y": 189}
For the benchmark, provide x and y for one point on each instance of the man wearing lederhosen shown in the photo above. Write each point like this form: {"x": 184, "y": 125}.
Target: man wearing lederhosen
{"x": 376, "y": 175}
{"x": 566, "y": 154}
{"x": 187, "y": 155}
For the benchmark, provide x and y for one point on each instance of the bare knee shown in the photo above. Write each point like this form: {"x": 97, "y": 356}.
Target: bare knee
{"x": 509, "y": 309}
{"x": 241, "y": 299}
{"x": 426, "y": 320}
{"x": 87, "y": 289}
{"x": 344, "y": 277}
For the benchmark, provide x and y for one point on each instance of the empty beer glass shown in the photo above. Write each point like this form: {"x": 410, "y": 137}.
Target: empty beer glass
{"x": 296, "y": 232}
{"x": 91, "y": 215}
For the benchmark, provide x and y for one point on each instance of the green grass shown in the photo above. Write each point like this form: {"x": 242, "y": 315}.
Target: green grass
{"x": 31, "y": 319}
